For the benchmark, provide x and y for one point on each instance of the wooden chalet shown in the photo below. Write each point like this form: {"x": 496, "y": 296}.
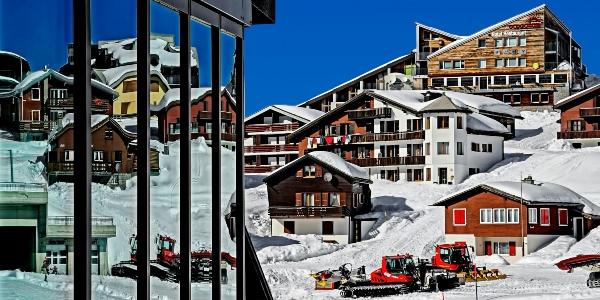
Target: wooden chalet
{"x": 35, "y": 106}
{"x": 320, "y": 193}
{"x": 513, "y": 219}
{"x": 113, "y": 151}
{"x": 168, "y": 112}
{"x": 580, "y": 118}
{"x": 265, "y": 142}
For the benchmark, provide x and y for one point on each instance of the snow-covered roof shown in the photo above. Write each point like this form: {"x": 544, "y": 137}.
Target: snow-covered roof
{"x": 8, "y": 53}
{"x": 485, "y": 31}
{"x": 37, "y": 76}
{"x": 329, "y": 160}
{"x": 442, "y": 103}
{"x": 114, "y": 76}
{"x": 534, "y": 193}
{"x": 9, "y": 79}
{"x": 411, "y": 99}
{"x": 483, "y": 104}
{"x": 365, "y": 74}
{"x": 304, "y": 115}
{"x": 69, "y": 119}
{"x": 577, "y": 95}
{"x": 335, "y": 161}
{"x": 481, "y": 123}
{"x": 441, "y": 32}
{"x": 129, "y": 124}
{"x": 125, "y": 52}
{"x": 173, "y": 95}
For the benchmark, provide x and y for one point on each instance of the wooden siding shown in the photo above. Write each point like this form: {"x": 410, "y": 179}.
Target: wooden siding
{"x": 572, "y": 111}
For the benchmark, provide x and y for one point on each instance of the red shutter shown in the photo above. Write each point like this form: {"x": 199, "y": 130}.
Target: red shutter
{"x": 459, "y": 217}
{"x": 325, "y": 199}
{"x": 299, "y": 173}
{"x": 343, "y": 197}
{"x": 317, "y": 199}
{"x": 563, "y": 217}
{"x": 488, "y": 248}
{"x": 544, "y": 216}
{"x": 318, "y": 171}
{"x": 512, "y": 248}
{"x": 298, "y": 199}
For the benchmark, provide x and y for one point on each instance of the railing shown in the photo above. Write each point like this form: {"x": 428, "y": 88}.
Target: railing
{"x": 415, "y": 71}
{"x": 271, "y": 127}
{"x": 97, "y": 104}
{"x": 270, "y": 148}
{"x": 70, "y": 220}
{"x": 33, "y": 126}
{"x": 260, "y": 169}
{"x": 382, "y": 137}
{"x": 589, "y": 112}
{"x": 22, "y": 187}
{"x": 579, "y": 134}
{"x": 370, "y": 113}
{"x": 388, "y": 161}
{"x": 207, "y": 115}
{"x": 307, "y": 211}
{"x": 224, "y": 136}
{"x": 97, "y": 167}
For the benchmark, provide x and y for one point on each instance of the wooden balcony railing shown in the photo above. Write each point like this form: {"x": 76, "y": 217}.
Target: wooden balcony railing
{"x": 388, "y": 161}
{"x": 97, "y": 104}
{"x": 589, "y": 112}
{"x": 579, "y": 134}
{"x": 370, "y": 113}
{"x": 67, "y": 167}
{"x": 260, "y": 169}
{"x": 270, "y": 148}
{"x": 253, "y": 128}
{"x": 207, "y": 115}
{"x": 381, "y": 137}
{"x": 308, "y": 211}
{"x": 33, "y": 126}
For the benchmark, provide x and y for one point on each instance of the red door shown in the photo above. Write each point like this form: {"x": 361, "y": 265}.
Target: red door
{"x": 488, "y": 248}
{"x": 512, "y": 248}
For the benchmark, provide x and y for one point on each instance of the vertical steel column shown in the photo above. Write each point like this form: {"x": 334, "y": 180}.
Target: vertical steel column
{"x": 240, "y": 218}
{"x": 83, "y": 153}
{"x": 185, "y": 183}
{"x": 215, "y": 40}
{"x": 143, "y": 155}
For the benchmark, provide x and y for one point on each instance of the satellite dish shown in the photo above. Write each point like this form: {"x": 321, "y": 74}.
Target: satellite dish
{"x": 327, "y": 177}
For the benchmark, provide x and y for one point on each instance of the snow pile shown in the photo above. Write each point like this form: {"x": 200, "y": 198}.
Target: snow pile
{"x": 26, "y": 160}
{"x": 173, "y": 95}
{"x": 305, "y": 246}
{"x": 588, "y": 245}
{"x": 125, "y": 52}
{"x": 490, "y": 260}
{"x": 550, "y": 253}
{"x": 480, "y": 122}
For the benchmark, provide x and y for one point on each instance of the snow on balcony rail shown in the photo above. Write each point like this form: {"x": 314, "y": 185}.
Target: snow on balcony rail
{"x": 70, "y": 220}
{"x": 22, "y": 187}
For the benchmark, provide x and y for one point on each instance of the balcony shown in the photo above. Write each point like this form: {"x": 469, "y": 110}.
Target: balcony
{"x": 260, "y": 169}
{"x": 207, "y": 115}
{"x": 63, "y": 227}
{"x": 383, "y": 137}
{"x": 308, "y": 212}
{"x": 34, "y": 126}
{"x": 594, "y": 134}
{"x": 589, "y": 112}
{"x": 270, "y": 148}
{"x": 388, "y": 161}
{"x": 20, "y": 193}
{"x": 67, "y": 103}
{"x": 68, "y": 167}
{"x": 370, "y": 113}
{"x": 256, "y": 128}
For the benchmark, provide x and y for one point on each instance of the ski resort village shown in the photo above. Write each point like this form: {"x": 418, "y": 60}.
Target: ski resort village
{"x": 466, "y": 168}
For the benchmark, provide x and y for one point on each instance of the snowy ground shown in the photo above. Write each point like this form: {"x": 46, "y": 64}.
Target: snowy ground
{"x": 407, "y": 224}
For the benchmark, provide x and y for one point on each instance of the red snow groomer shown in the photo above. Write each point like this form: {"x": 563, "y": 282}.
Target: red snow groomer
{"x": 588, "y": 261}
{"x": 166, "y": 264}
{"x": 455, "y": 257}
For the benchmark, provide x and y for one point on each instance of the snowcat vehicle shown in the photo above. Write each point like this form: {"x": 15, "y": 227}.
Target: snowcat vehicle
{"x": 588, "y": 261}
{"x": 457, "y": 258}
{"x": 166, "y": 264}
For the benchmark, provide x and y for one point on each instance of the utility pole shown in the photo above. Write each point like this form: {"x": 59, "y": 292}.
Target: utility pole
{"x": 522, "y": 221}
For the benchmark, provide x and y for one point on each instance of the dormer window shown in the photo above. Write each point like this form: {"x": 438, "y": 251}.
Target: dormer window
{"x": 309, "y": 171}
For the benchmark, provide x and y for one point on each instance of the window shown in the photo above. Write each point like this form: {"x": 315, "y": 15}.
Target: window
{"x": 466, "y": 81}
{"x": 500, "y": 80}
{"x": 334, "y": 199}
{"x": 522, "y": 41}
{"x": 309, "y": 171}
{"x": 516, "y": 98}
{"x": 35, "y": 115}
{"x": 129, "y": 86}
{"x": 443, "y": 122}
{"x": 481, "y": 43}
{"x": 545, "y": 216}
{"x": 208, "y": 127}
{"x": 484, "y": 148}
{"x": 446, "y": 64}
{"x": 459, "y": 148}
{"x": 327, "y": 228}
{"x": 529, "y": 79}
{"x": 522, "y": 62}
{"x": 443, "y": 148}
{"x": 437, "y": 82}
{"x": 99, "y": 156}
{"x": 427, "y": 148}
{"x": 482, "y": 63}
{"x": 535, "y": 98}
{"x": 452, "y": 81}
{"x": 154, "y": 87}
{"x": 118, "y": 156}
{"x": 499, "y": 62}
{"x": 459, "y": 216}
{"x": 475, "y": 147}
{"x": 545, "y": 98}
{"x": 511, "y": 62}
{"x": 560, "y": 78}
{"x": 473, "y": 171}
{"x": 511, "y": 41}
{"x": 459, "y": 122}
{"x": 69, "y": 155}
{"x": 514, "y": 79}
{"x": 58, "y": 93}
{"x": 489, "y": 147}
{"x": 108, "y": 134}
{"x": 507, "y": 98}
{"x": 35, "y": 94}
{"x": 563, "y": 217}
{"x": 499, "y": 215}
{"x": 428, "y": 174}
{"x": 512, "y": 215}
{"x": 427, "y": 122}
{"x": 532, "y": 215}
{"x": 458, "y": 64}
{"x": 308, "y": 199}
{"x": 499, "y": 42}
{"x": 288, "y": 227}
{"x": 576, "y": 125}
{"x": 501, "y": 248}
{"x": 545, "y": 78}
{"x": 485, "y": 216}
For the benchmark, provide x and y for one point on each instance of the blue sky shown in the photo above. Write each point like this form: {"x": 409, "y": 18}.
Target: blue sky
{"x": 314, "y": 45}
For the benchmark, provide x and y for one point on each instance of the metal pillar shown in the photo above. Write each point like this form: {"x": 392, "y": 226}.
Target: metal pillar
{"x": 240, "y": 218}
{"x": 215, "y": 136}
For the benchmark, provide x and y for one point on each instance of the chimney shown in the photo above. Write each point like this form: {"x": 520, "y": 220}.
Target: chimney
{"x": 529, "y": 180}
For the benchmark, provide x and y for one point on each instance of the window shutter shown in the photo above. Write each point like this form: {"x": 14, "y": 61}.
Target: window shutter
{"x": 512, "y": 248}
{"x": 563, "y": 217}
{"x": 325, "y": 199}
{"x": 317, "y": 199}
{"x": 299, "y": 173}
{"x": 298, "y": 199}
{"x": 488, "y": 248}
{"x": 459, "y": 217}
{"x": 343, "y": 197}
{"x": 318, "y": 171}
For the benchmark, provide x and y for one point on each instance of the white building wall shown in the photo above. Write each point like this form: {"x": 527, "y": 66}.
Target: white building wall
{"x": 483, "y": 160}
{"x": 314, "y": 226}
{"x": 533, "y": 242}
{"x": 435, "y": 135}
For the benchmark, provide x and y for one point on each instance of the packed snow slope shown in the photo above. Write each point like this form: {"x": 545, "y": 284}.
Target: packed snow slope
{"x": 408, "y": 224}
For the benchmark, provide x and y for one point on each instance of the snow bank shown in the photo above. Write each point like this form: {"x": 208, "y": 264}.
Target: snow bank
{"x": 309, "y": 245}
{"x": 550, "y": 253}
{"x": 490, "y": 260}
{"x": 588, "y": 245}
